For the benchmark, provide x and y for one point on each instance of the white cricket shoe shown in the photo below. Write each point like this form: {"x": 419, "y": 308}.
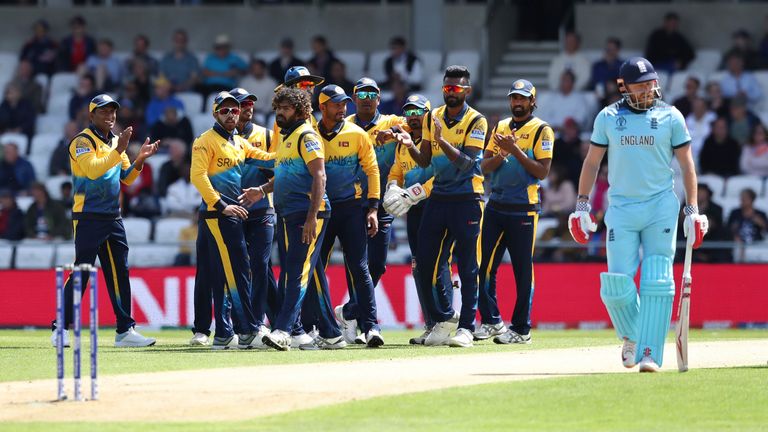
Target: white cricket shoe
{"x": 132, "y": 338}
{"x": 441, "y": 332}
{"x": 419, "y": 340}
{"x": 488, "y": 331}
{"x": 66, "y": 339}
{"x": 463, "y": 339}
{"x": 302, "y": 339}
{"x": 200, "y": 339}
{"x": 373, "y": 339}
{"x": 512, "y": 337}
{"x": 648, "y": 364}
{"x": 253, "y": 340}
{"x": 360, "y": 339}
{"x": 279, "y": 340}
{"x": 348, "y": 327}
{"x": 331, "y": 343}
{"x": 628, "y": 353}
{"x": 225, "y": 343}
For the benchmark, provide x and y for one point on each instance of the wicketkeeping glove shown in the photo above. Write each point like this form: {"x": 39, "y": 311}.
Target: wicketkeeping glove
{"x": 397, "y": 201}
{"x": 695, "y": 226}
{"x": 581, "y": 223}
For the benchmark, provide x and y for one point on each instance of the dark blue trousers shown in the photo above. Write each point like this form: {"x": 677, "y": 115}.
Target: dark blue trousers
{"x": 517, "y": 235}
{"x": 441, "y": 222}
{"x": 259, "y": 232}
{"x": 378, "y": 246}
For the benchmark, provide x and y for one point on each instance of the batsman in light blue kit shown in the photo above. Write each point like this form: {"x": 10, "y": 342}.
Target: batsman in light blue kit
{"x": 641, "y": 134}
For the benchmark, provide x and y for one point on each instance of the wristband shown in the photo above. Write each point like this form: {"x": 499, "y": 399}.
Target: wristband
{"x": 583, "y": 206}
{"x": 691, "y": 210}
{"x": 582, "y": 197}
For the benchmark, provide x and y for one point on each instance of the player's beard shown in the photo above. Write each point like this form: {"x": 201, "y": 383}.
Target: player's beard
{"x": 414, "y": 124}
{"x": 283, "y": 122}
{"x": 519, "y": 111}
{"x": 452, "y": 101}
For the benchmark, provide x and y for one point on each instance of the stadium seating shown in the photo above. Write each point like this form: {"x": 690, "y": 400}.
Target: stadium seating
{"x": 65, "y": 254}
{"x": 51, "y": 123}
{"x": 6, "y": 254}
{"x": 24, "y": 202}
{"x": 355, "y": 62}
{"x": 21, "y": 141}
{"x": 8, "y": 63}
{"x": 34, "y": 254}
{"x": 193, "y": 102}
{"x": 470, "y": 59}
{"x": 167, "y": 229}
{"x": 53, "y": 185}
{"x": 376, "y": 65}
{"x": 151, "y": 255}
{"x": 706, "y": 62}
{"x": 138, "y": 230}
{"x": 715, "y": 182}
{"x": 734, "y": 185}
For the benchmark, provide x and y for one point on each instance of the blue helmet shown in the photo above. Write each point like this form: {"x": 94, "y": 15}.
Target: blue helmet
{"x": 638, "y": 70}
{"x": 300, "y": 73}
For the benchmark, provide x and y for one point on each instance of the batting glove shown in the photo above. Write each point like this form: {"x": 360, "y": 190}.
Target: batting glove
{"x": 695, "y": 226}
{"x": 581, "y": 223}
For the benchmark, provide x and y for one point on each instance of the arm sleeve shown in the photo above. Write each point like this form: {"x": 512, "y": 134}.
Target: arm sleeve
{"x": 128, "y": 173}
{"x": 426, "y": 125}
{"x": 428, "y": 185}
{"x": 83, "y": 154}
{"x": 545, "y": 146}
{"x": 311, "y": 148}
{"x": 367, "y": 156}
{"x": 491, "y": 145}
{"x": 476, "y": 136}
{"x": 680, "y": 135}
{"x": 599, "y": 136}
{"x": 198, "y": 173}
{"x": 258, "y": 157}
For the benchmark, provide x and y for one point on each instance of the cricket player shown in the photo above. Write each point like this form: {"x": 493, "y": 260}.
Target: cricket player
{"x": 218, "y": 156}
{"x": 99, "y": 165}
{"x": 643, "y": 134}
{"x": 454, "y": 209}
{"x": 517, "y": 159}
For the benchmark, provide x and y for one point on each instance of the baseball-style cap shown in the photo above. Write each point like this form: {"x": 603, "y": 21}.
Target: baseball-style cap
{"x": 300, "y": 73}
{"x": 366, "y": 82}
{"x": 636, "y": 70}
{"x": 222, "y": 40}
{"x": 102, "y": 100}
{"x": 523, "y": 88}
{"x": 333, "y": 93}
{"x": 221, "y": 98}
{"x": 242, "y": 94}
{"x": 418, "y": 101}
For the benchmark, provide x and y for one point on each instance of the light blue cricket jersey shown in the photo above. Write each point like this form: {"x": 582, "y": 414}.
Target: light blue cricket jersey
{"x": 640, "y": 149}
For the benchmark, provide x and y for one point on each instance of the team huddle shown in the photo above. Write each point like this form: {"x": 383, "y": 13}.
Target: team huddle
{"x": 310, "y": 182}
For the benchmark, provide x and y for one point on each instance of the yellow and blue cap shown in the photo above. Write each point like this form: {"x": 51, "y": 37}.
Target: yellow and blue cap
{"x": 418, "y": 101}
{"x": 221, "y": 98}
{"x": 523, "y": 88}
{"x": 333, "y": 93}
{"x": 366, "y": 82}
{"x": 102, "y": 100}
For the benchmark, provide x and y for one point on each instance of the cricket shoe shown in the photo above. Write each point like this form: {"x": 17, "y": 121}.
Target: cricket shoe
{"x": 360, "y": 339}
{"x": 648, "y": 364}
{"x": 321, "y": 343}
{"x": 488, "y": 331}
{"x": 253, "y": 340}
{"x": 279, "y": 340}
{"x": 419, "y": 340}
{"x": 463, "y": 339}
{"x": 132, "y": 339}
{"x": 441, "y": 332}
{"x": 225, "y": 343}
{"x": 512, "y": 337}
{"x": 66, "y": 339}
{"x": 373, "y": 339}
{"x": 628, "y": 353}
{"x": 348, "y": 327}
{"x": 200, "y": 339}
{"x": 302, "y": 339}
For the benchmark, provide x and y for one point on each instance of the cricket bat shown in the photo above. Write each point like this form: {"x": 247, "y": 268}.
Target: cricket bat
{"x": 683, "y": 312}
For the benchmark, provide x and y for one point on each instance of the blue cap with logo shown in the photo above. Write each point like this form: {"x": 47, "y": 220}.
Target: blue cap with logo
{"x": 300, "y": 73}
{"x": 102, "y": 100}
{"x": 366, "y": 82}
{"x": 636, "y": 70}
{"x": 242, "y": 94}
{"x": 333, "y": 93}
{"x": 523, "y": 88}
{"x": 418, "y": 101}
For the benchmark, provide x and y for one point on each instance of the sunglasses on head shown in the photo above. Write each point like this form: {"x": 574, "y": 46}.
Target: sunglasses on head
{"x": 414, "y": 112}
{"x": 367, "y": 95}
{"x": 227, "y": 111}
{"x": 455, "y": 88}
{"x": 246, "y": 104}
{"x": 305, "y": 85}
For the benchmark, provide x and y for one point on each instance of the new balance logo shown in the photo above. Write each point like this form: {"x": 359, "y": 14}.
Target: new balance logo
{"x": 667, "y": 230}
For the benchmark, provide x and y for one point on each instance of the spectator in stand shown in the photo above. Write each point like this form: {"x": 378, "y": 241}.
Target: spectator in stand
{"x": 75, "y": 49}
{"x": 46, "y": 218}
{"x": 607, "y": 68}
{"x": 173, "y": 124}
{"x": 742, "y": 46}
{"x": 570, "y": 59}
{"x": 395, "y": 102}
{"x": 179, "y": 65}
{"x": 667, "y": 48}
{"x": 718, "y": 104}
{"x": 754, "y": 156}
{"x": 59, "y": 164}
{"x": 187, "y": 239}
{"x": 403, "y": 65}
{"x": 741, "y": 121}
{"x": 17, "y": 114}
{"x": 560, "y": 254}
{"x": 717, "y": 231}
{"x": 568, "y": 154}
{"x": 31, "y": 90}
{"x": 720, "y": 153}
{"x": 16, "y": 173}
{"x": 40, "y": 50}
{"x": 284, "y": 61}
{"x": 699, "y": 123}
{"x": 764, "y": 45}
{"x": 133, "y": 108}
{"x": 565, "y": 103}
{"x": 684, "y": 103}
{"x": 221, "y": 68}
{"x": 612, "y": 94}
{"x": 323, "y": 58}
{"x": 141, "y": 52}
{"x": 260, "y": 84}
{"x": 560, "y": 193}
{"x": 67, "y": 200}
{"x": 170, "y": 171}
{"x": 738, "y": 82}
{"x": 105, "y": 67}
{"x": 81, "y": 97}
{"x": 11, "y": 217}
{"x": 141, "y": 78}
{"x": 162, "y": 100}
{"x": 747, "y": 224}
{"x": 338, "y": 76}
{"x": 138, "y": 197}
{"x": 182, "y": 199}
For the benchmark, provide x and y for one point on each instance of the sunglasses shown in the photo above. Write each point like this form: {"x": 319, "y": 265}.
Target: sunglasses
{"x": 305, "y": 85}
{"x": 227, "y": 111}
{"x": 367, "y": 95}
{"x": 414, "y": 112}
{"x": 246, "y": 104}
{"x": 455, "y": 88}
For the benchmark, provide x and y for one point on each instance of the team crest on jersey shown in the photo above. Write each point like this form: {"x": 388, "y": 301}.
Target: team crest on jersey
{"x": 621, "y": 123}
{"x": 478, "y": 134}
{"x": 546, "y": 145}
{"x": 654, "y": 123}
{"x": 343, "y": 143}
{"x": 459, "y": 131}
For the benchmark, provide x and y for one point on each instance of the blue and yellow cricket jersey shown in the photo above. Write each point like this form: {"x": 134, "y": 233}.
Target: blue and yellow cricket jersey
{"x": 97, "y": 170}
{"x": 299, "y": 144}
{"x": 407, "y": 172}
{"x": 385, "y": 153}
{"x": 217, "y": 166}
{"x": 348, "y": 149}
{"x": 468, "y": 129}
{"x": 254, "y": 173}
{"x": 513, "y": 189}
